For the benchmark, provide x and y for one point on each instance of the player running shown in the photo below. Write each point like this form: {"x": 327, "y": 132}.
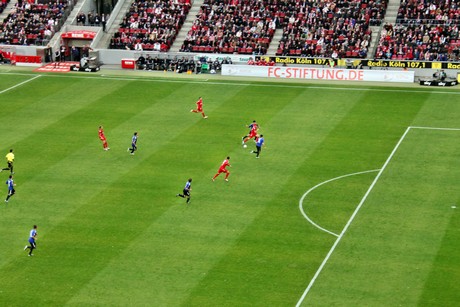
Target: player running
{"x": 199, "y": 108}
{"x": 187, "y": 189}
{"x": 133, "y": 144}
{"x": 32, "y": 238}
{"x": 223, "y": 169}
{"x": 252, "y": 133}
{"x": 10, "y": 183}
{"x": 9, "y": 160}
{"x": 103, "y": 139}
{"x": 259, "y": 143}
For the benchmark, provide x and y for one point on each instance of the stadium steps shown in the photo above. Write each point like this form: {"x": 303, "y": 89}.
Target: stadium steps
{"x": 375, "y": 36}
{"x": 392, "y": 11}
{"x": 390, "y": 17}
{"x": 55, "y": 41}
{"x": 104, "y": 42}
{"x": 9, "y": 7}
{"x": 191, "y": 16}
{"x": 273, "y": 47}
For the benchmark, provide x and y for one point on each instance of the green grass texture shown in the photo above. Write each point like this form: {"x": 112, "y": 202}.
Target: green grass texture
{"x": 111, "y": 231}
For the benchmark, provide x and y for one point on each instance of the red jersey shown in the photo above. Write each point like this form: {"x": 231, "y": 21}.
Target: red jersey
{"x": 224, "y": 164}
{"x": 254, "y": 127}
{"x": 199, "y": 104}
{"x": 101, "y": 134}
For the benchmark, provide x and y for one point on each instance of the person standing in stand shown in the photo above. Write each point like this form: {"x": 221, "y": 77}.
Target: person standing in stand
{"x": 104, "y": 19}
{"x": 199, "y": 108}
{"x": 57, "y": 57}
{"x": 103, "y": 139}
{"x": 63, "y": 53}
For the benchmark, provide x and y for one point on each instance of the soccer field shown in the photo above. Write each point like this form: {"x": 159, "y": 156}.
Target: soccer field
{"x": 353, "y": 202}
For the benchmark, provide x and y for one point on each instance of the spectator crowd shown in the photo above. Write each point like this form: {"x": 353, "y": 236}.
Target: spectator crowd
{"x": 424, "y": 31}
{"x": 31, "y": 23}
{"x": 228, "y": 26}
{"x": 150, "y": 25}
{"x": 336, "y": 29}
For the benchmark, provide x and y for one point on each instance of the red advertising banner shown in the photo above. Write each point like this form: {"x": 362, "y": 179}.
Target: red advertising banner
{"x": 79, "y": 34}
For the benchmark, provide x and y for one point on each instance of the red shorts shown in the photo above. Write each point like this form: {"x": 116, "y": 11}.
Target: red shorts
{"x": 252, "y": 134}
{"x": 222, "y": 170}
{"x": 200, "y": 109}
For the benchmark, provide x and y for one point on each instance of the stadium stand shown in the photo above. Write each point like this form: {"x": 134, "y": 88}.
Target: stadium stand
{"x": 3, "y": 4}
{"x": 150, "y": 25}
{"x": 329, "y": 29}
{"x": 32, "y": 23}
{"x": 426, "y": 31}
{"x": 232, "y": 26}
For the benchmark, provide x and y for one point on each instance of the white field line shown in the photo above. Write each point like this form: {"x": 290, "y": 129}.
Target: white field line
{"x": 310, "y": 285}
{"x": 318, "y": 185}
{"x": 230, "y": 82}
{"x": 435, "y": 128}
{"x": 19, "y": 84}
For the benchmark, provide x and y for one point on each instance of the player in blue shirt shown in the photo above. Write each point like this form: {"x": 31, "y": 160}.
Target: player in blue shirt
{"x": 133, "y": 144}
{"x": 187, "y": 189}
{"x": 11, "y": 189}
{"x": 32, "y": 238}
{"x": 259, "y": 144}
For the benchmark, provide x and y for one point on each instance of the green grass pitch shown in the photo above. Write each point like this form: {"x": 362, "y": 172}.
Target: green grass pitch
{"x": 112, "y": 232}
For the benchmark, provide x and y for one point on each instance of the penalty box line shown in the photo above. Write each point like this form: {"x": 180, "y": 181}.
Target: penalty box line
{"x": 310, "y": 285}
{"x": 371, "y": 187}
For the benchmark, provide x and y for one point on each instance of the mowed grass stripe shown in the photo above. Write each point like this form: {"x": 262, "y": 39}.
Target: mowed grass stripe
{"x": 263, "y": 263}
{"x": 43, "y": 102}
{"x": 338, "y": 154}
{"x": 445, "y": 271}
{"x": 41, "y": 136}
{"x": 99, "y": 176}
{"x": 182, "y": 238}
{"x": 359, "y": 143}
{"x": 394, "y": 241}
{"x": 133, "y": 210}
{"x": 19, "y": 84}
{"x": 9, "y": 81}
{"x": 439, "y": 111}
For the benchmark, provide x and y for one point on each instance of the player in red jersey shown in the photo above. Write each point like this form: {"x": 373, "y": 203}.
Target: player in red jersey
{"x": 252, "y": 133}
{"x": 103, "y": 139}
{"x": 199, "y": 108}
{"x": 223, "y": 169}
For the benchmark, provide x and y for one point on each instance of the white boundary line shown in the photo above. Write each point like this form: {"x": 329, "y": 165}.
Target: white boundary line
{"x": 350, "y": 220}
{"x": 256, "y": 82}
{"x": 310, "y": 285}
{"x": 435, "y": 128}
{"x": 318, "y": 185}
{"x": 19, "y": 84}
